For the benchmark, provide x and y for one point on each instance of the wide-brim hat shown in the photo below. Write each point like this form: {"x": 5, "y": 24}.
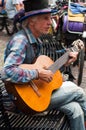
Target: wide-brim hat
{"x": 36, "y": 7}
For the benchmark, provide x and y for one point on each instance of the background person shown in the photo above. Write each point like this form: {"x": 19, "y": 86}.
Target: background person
{"x": 12, "y": 7}
{"x": 2, "y": 6}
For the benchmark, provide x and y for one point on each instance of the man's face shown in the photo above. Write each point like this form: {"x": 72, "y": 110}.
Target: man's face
{"x": 41, "y": 24}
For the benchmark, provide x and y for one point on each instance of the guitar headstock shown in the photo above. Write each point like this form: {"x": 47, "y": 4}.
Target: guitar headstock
{"x": 77, "y": 45}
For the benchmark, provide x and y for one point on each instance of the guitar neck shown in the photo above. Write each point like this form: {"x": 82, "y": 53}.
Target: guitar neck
{"x": 64, "y": 58}
{"x": 59, "y": 62}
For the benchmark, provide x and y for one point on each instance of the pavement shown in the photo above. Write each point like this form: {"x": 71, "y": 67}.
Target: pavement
{"x": 3, "y": 41}
{"x": 76, "y": 72}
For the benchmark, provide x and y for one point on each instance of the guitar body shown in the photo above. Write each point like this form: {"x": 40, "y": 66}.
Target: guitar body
{"x": 26, "y": 92}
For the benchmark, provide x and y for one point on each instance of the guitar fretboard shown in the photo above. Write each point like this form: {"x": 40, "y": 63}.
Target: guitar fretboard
{"x": 59, "y": 62}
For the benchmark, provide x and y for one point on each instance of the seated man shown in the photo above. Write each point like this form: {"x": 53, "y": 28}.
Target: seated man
{"x": 23, "y": 50}
{"x": 2, "y": 7}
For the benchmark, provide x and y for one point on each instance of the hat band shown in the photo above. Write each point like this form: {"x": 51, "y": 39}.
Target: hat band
{"x": 38, "y": 11}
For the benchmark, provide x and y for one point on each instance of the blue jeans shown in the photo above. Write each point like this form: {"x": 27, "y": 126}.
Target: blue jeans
{"x": 71, "y": 100}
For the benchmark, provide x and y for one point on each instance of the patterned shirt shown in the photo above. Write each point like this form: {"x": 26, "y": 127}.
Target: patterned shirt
{"x": 15, "y": 54}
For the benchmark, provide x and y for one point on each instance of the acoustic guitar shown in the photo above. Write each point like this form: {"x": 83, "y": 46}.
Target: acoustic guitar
{"x": 36, "y": 94}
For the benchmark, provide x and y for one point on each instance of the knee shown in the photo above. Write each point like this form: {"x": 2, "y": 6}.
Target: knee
{"x": 81, "y": 94}
{"x": 75, "y": 111}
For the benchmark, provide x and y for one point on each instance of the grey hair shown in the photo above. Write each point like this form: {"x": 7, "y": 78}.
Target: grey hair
{"x": 25, "y": 23}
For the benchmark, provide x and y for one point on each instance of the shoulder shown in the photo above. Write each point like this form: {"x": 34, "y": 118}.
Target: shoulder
{"x": 20, "y": 35}
{"x": 18, "y": 40}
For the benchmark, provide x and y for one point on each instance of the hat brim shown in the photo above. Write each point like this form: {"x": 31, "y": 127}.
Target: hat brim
{"x": 37, "y": 12}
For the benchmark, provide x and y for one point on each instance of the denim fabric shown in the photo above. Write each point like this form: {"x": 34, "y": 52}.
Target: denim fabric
{"x": 71, "y": 100}
{"x": 77, "y": 8}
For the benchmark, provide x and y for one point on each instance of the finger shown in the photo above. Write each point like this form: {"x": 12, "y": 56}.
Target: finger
{"x": 50, "y": 79}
